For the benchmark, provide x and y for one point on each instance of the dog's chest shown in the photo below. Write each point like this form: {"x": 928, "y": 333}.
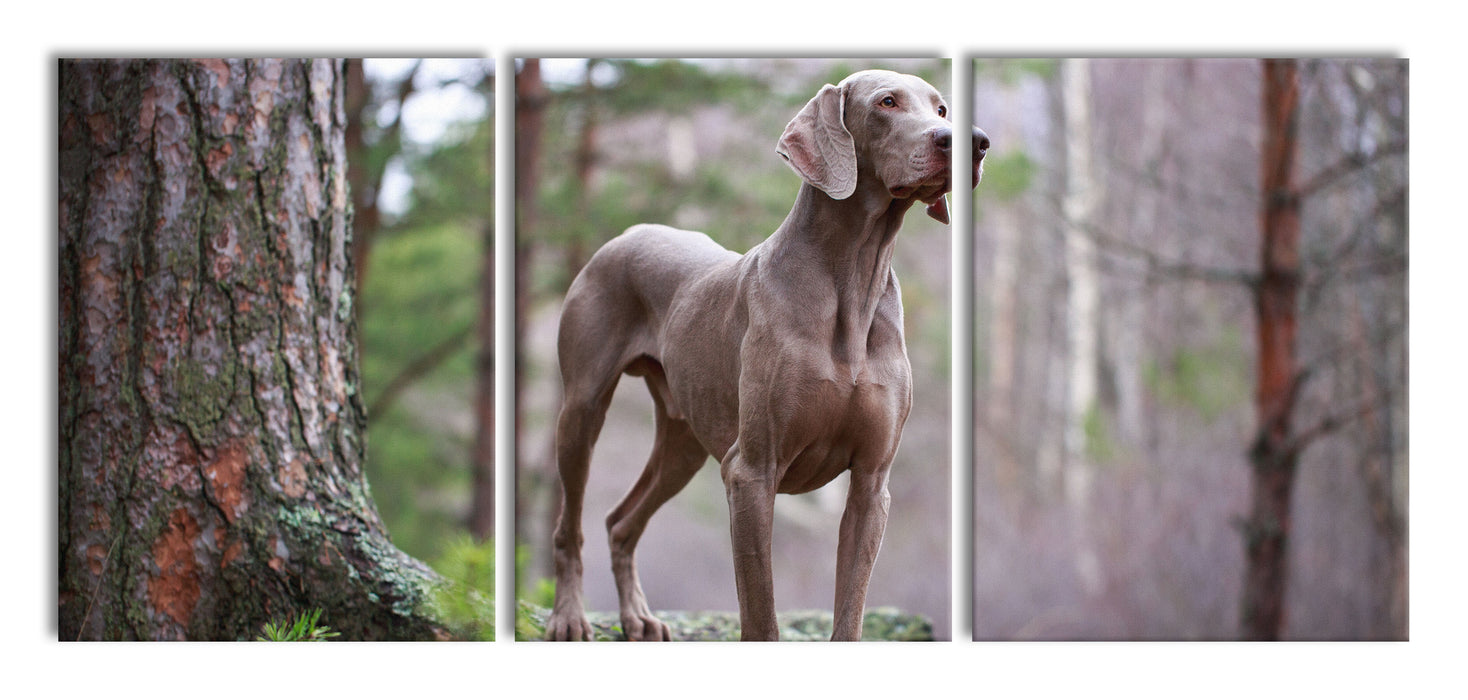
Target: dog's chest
{"x": 849, "y": 424}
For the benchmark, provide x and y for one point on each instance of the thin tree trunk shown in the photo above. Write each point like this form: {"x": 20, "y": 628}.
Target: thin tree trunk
{"x": 1374, "y": 445}
{"x": 1273, "y": 457}
{"x": 586, "y": 159}
{"x": 481, "y": 507}
{"x": 1082, "y": 316}
{"x": 1082, "y": 283}
{"x": 211, "y": 425}
{"x": 530, "y": 102}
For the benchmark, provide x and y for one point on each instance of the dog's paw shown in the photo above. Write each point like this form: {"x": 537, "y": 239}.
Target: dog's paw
{"x": 644, "y": 627}
{"x": 568, "y": 628}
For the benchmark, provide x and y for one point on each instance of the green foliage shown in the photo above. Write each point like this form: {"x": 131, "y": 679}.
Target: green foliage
{"x": 453, "y": 179}
{"x": 301, "y": 628}
{"x": 1100, "y": 447}
{"x": 421, "y": 290}
{"x": 465, "y": 602}
{"x": 1209, "y": 378}
{"x": 541, "y": 592}
{"x": 1011, "y": 70}
{"x": 1007, "y": 174}
{"x": 672, "y": 86}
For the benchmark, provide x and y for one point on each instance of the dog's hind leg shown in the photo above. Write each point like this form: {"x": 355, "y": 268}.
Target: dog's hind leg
{"x": 676, "y": 457}
{"x": 589, "y": 374}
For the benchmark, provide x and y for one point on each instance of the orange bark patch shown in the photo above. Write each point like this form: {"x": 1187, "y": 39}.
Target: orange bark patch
{"x": 96, "y": 559}
{"x": 217, "y": 158}
{"x": 175, "y": 589}
{"x": 231, "y": 553}
{"x": 100, "y": 126}
{"x": 101, "y": 521}
{"x": 293, "y": 477}
{"x": 147, "y": 110}
{"x": 216, "y": 66}
{"x": 227, "y": 477}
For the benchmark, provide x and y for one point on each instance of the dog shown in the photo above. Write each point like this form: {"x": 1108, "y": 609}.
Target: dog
{"x": 787, "y": 363}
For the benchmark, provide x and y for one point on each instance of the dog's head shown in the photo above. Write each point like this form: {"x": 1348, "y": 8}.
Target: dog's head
{"x": 891, "y": 128}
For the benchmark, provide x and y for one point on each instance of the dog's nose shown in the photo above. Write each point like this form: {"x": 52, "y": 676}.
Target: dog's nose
{"x": 981, "y": 143}
{"x": 943, "y": 139}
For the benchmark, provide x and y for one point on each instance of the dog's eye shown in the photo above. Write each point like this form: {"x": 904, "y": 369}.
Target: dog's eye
{"x": 888, "y": 101}
{"x": 942, "y": 111}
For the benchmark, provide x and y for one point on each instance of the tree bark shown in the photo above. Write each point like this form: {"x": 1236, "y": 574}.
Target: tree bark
{"x": 1273, "y": 456}
{"x": 211, "y": 424}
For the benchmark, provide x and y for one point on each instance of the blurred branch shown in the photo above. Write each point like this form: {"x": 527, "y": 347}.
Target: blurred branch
{"x": 1328, "y": 268}
{"x": 1350, "y": 163}
{"x": 419, "y": 368}
{"x": 1333, "y": 422}
{"x": 1335, "y": 351}
{"x": 1156, "y": 267}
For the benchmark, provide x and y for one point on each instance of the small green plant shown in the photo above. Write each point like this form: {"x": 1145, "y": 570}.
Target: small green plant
{"x": 302, "y": 629}
{"x": 465, "y": 600}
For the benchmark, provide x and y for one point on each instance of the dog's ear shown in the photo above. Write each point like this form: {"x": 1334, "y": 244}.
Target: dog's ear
{"x": 818, "y": 147}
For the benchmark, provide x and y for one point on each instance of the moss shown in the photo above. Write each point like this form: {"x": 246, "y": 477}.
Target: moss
{"x": 204, "y": 397}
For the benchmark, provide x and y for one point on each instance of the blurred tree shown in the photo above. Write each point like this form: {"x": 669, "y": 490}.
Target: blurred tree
{"x": 1273, "y": 458}
{"x": 481, "y": 502}
{"x": 211, "y": 427}
{"x": 370, "y": 145}
{"x": 1082, "y": 320}
{"x": 531, "y": 97}
{"x": 424, "y": 315}
{"x": 1167, "y": 134}
{"x": 1282, "y": 375}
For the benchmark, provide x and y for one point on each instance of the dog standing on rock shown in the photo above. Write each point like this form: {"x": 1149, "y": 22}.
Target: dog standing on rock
{"x": 787, "y": 363}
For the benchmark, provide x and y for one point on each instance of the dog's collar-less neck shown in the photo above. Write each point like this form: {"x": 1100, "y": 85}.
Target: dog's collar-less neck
{"x": 848, "y": 242}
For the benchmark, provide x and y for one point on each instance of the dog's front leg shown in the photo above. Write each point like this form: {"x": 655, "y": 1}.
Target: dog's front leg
{"x": 751, "y": 492}
{"x": 862, "y": 525}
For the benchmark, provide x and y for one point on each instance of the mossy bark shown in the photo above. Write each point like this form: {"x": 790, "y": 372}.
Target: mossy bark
{"x": 211, "y": 430}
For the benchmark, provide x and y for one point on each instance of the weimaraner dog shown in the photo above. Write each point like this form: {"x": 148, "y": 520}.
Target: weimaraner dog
{"x": 788, "y": 363}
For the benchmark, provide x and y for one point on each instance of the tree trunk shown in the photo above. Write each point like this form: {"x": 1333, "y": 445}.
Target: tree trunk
{"x": 1273, "y": 456}
{"x": 1082, "y": 284}
{"x": 531, "y": 98}
{"x": 481, "y": 506}
{"x": 211, "y": 425}
{"x": 1082, "y": 316}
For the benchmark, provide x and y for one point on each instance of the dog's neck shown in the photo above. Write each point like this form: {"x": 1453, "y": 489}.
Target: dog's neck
{"x": 846, "y": 243}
